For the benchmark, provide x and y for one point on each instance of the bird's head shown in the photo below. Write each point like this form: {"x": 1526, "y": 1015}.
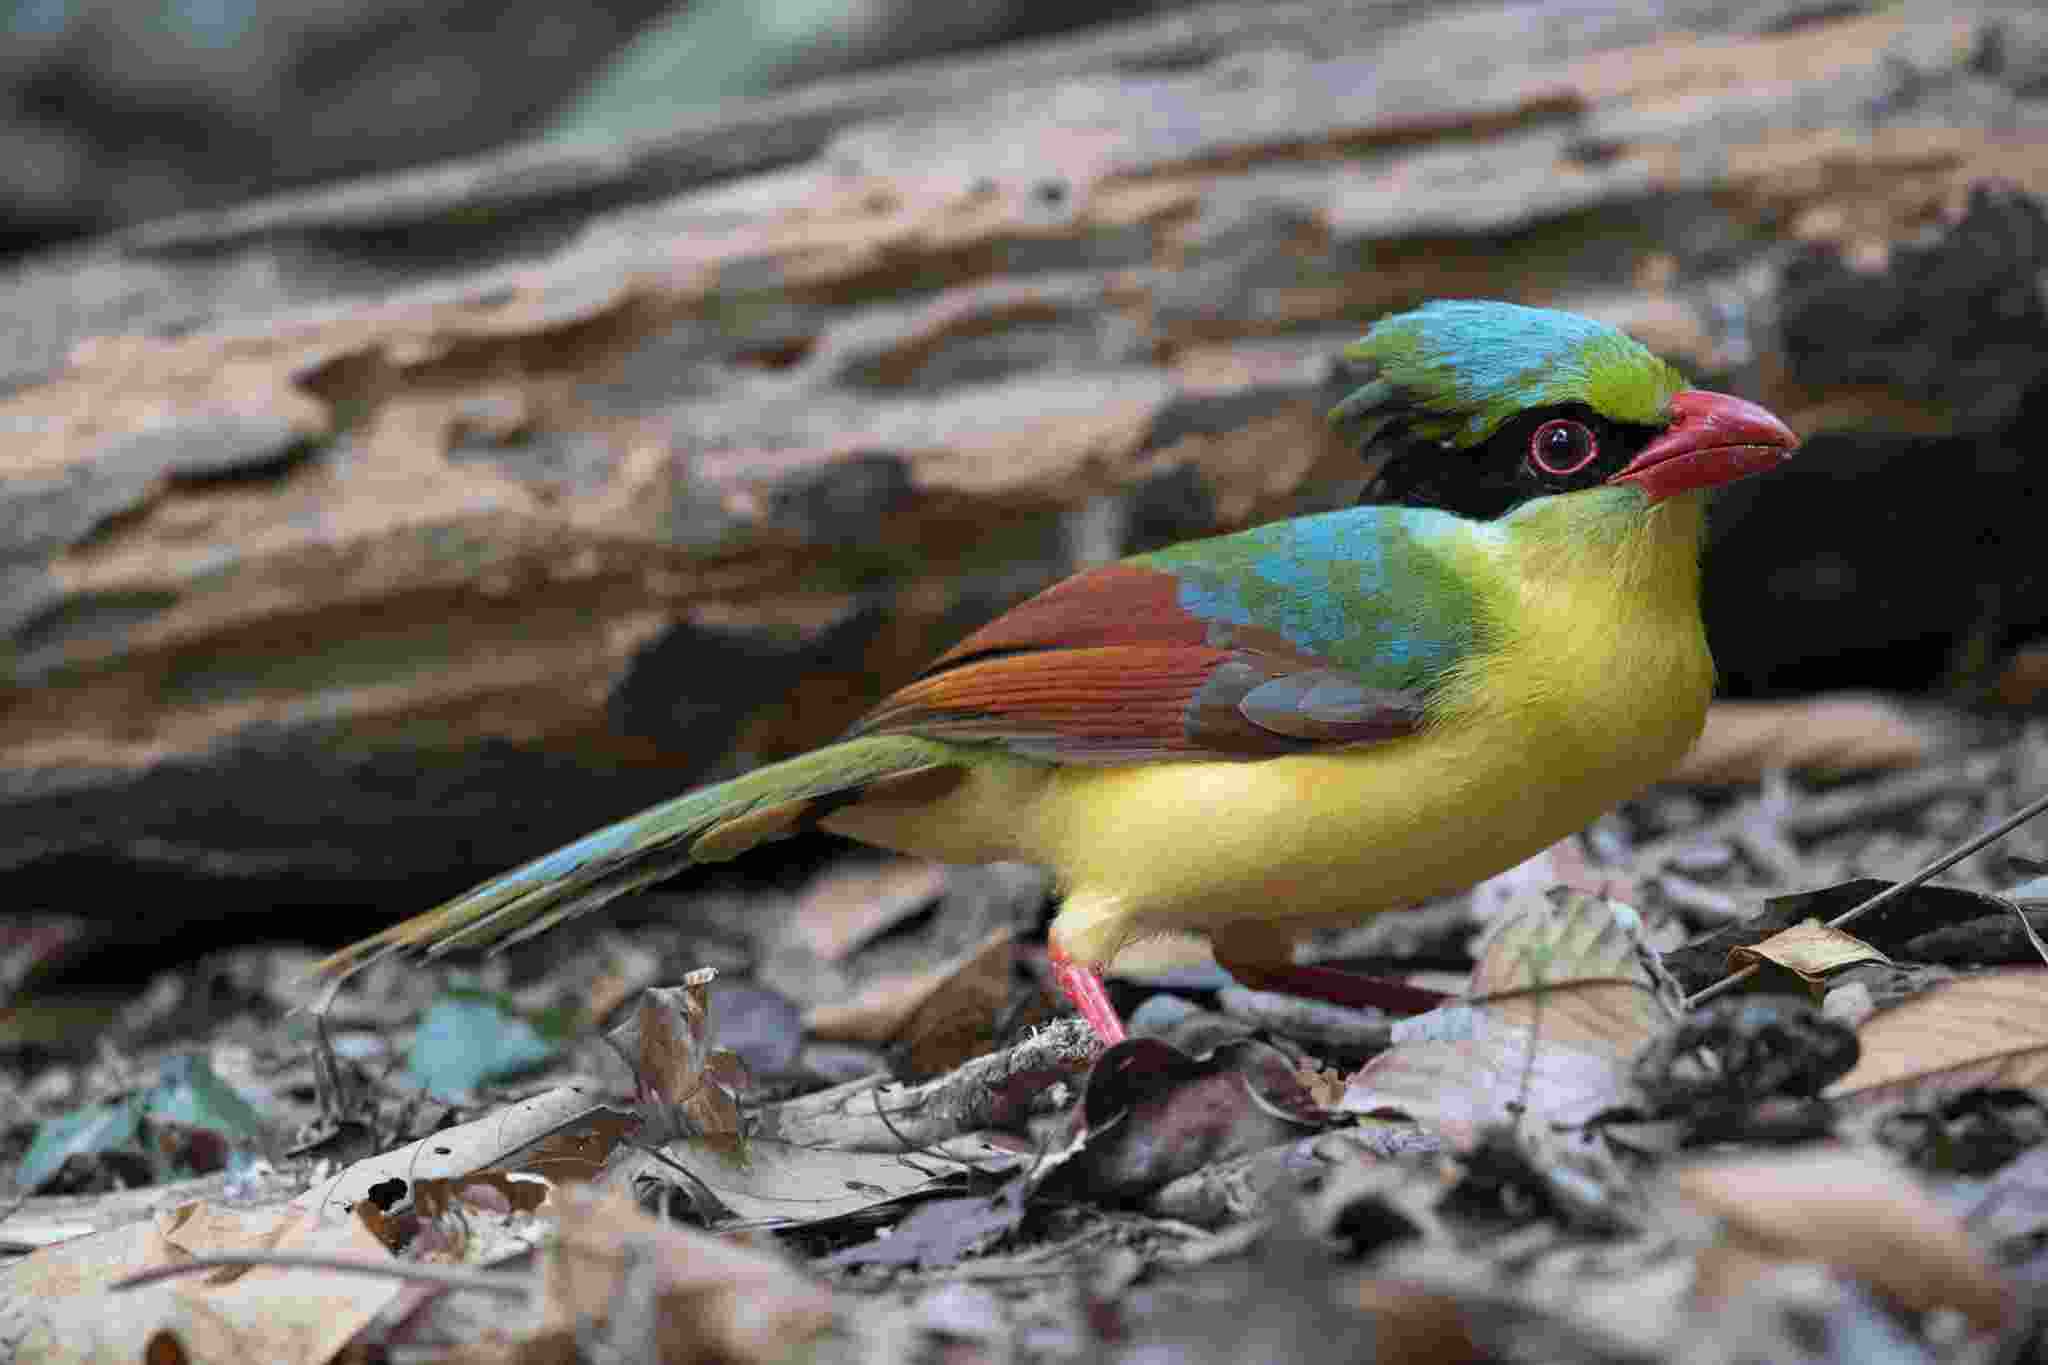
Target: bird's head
{"x": 1477, "y": 407}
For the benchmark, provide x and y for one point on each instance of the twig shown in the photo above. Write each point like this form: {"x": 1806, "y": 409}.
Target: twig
{"x": 2027, "y": 928}
{"x": 929, "y": 1149}
{"x": 452, "y": 1277}
{"x": 1816, "y": 816}
{"x": 1938, "y": 866}
{"x": 714, "y": 1210}
{"x": 975, "y": 1095}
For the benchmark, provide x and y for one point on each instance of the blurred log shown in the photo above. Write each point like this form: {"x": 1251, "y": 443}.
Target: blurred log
{"x": 362, "y": 542}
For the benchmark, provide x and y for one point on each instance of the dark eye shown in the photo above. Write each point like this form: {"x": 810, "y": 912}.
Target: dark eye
{"x": 1562, "y": 446}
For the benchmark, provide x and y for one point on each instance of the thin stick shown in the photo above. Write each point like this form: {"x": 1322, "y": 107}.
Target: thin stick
{"x": 454, "y": 1277}
{"x": 2040, "y": 948}
{"x": 1935, "y": 868}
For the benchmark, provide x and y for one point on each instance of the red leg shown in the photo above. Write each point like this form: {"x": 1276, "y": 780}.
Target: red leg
{"x": 1083, "y": 986}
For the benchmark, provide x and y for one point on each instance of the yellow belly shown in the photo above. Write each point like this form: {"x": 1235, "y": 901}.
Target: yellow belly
{"x": 1591, "y": 695}
{"x": 1315, "y": 838}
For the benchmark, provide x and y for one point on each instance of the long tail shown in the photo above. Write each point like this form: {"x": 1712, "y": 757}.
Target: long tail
{"x": 707, "y": 825}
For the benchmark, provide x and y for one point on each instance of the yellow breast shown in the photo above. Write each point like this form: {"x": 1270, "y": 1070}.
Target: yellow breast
{"x": 1596, "y": 684}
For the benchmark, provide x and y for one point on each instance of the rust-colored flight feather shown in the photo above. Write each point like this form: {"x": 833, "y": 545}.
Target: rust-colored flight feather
{"x": 1110, "y": 668}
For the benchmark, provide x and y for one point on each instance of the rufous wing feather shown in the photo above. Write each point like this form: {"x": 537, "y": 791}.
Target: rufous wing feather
{"x": 1110, "y": 667}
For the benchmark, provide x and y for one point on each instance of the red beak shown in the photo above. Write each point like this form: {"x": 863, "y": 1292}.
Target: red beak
{"x": 1713, "y": 439}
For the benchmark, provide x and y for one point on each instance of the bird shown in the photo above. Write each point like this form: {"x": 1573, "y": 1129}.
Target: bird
{"x": 1305, "y": 723}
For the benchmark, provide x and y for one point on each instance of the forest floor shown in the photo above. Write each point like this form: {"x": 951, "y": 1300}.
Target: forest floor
{"x": 843, "y": 1119}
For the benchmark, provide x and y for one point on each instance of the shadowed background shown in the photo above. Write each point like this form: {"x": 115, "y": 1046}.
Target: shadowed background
{"x": 360, "y": 540}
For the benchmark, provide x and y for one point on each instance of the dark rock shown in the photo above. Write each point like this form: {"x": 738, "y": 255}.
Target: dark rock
{"x": 655, "y": 457}
{"x": 694, "y": 689}
{"x": 1958, "y": 320}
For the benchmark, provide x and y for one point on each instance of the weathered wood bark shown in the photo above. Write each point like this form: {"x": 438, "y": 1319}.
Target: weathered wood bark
{"x": 358, "y": 543}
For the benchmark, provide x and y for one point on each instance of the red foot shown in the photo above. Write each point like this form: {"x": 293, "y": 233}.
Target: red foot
{"x": 1339, "y": 987}
{"x": 1083, "y": 986}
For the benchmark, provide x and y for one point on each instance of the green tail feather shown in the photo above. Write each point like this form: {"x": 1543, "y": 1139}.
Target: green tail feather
{"x": 581, "y": 876}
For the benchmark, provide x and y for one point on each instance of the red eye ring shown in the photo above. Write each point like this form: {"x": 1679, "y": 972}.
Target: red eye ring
{"x": 1562, "y": 446}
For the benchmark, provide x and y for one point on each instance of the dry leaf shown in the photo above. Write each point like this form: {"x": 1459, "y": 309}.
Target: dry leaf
{"x": 679, "y": 1296}
{"x": 1987, "y": 1029}
{"x": 560, "y": 1135}
{"x": 856, "y": 902}
{"x": 932, "y": 1021}
{"x": 1865, "y": 1218}
{"x": 676, "y": 1066}
{"x": 61, "y": 1312}
{"x": 1827, "y": 736}
{"x": 1456, "y": 1089}
{"x": 1573, "y": 966}
{"x": 1809, "y": 950}
{"x": 1414, "y": 1322}
{"x": 1322, "y": 1084}
{"x": 777, "y": 1184}
{"x": 958, "y": 1021}
{"x": 478, "y": 1219}
{"x": 1569, "y": 996}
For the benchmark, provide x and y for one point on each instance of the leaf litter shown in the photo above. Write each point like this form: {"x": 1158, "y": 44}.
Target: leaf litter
{"x": 1562, "y": 1163}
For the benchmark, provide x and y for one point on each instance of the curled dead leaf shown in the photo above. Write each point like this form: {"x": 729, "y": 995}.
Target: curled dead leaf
{"x": 678, "y": 1068}
{"x": 851, "y": 904}
{"x": 1986, "y": 1029}
{"x": 932, "y": 1021}
{"x": 698, "y": 1297}
{"x": 1809, "y": 950}
{"x": 1847, "y": 1210}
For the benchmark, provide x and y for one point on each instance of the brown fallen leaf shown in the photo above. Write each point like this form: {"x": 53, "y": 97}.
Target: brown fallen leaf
{"x": 1809, "y": 950}
{"x": 659, "y": 1292}
{"x": 855, "y": 902}
{"x": 1926, "y": 924}
{"x": 291, "y": 1315}
{"x": 1829, "y": 736}
{"x": 1863, "y": 1217}
{"x": 932, "y": 1021}
{"x": 1563, "y": 995}
{"x": 1990, "y": 1029}
{"x": 560, "y": 1135}
{"x": 1416, "y": 1322}
{"x": 878, "y": 1013}
{"x": 1572, "y": 964}
{"x": 676, "y": 1066}
{"x": 477, "y": 1219}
